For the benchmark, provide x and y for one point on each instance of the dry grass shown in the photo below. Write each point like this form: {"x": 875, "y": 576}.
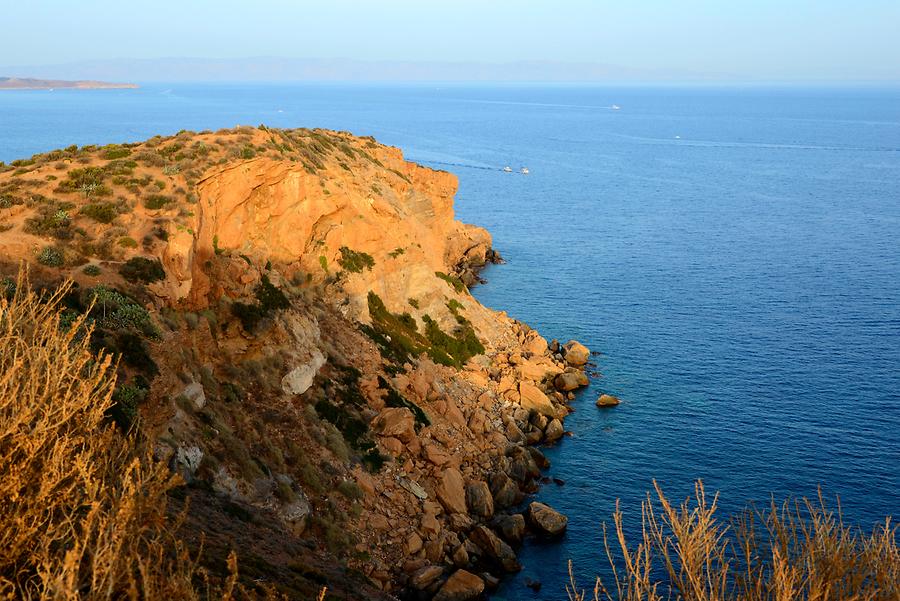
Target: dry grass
{"x": 799, "y": 550}
{"x": 83, "y": 506}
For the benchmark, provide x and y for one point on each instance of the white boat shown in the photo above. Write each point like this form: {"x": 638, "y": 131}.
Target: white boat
{"x": 525, "y": 171}
{"x": 507, "y": 169}
{"x": 615, "y": 107}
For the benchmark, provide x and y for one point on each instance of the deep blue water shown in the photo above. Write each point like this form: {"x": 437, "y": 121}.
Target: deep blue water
{"x": 734, "y": 254}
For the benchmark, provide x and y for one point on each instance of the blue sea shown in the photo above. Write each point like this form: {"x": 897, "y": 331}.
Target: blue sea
{"x": 733, "y": 254}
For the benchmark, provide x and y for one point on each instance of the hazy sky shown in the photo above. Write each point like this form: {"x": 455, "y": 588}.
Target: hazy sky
{"x": 755, "y": 39}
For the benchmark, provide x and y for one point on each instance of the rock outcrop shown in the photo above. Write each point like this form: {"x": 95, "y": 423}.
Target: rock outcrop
{"x": 293, "y": 315}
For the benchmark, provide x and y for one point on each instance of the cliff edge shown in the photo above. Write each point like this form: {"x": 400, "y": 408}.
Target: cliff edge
{"x": 298, "y": 341}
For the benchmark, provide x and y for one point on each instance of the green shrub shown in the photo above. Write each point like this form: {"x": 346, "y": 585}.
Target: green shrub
{"x": 268, "y": 300}
{"x": 114, "y": 151}
{"x": 354, "y": 261}
{"x": 52, "y": 219}
{"x": 399, "y": 340}
{"x": 127, "y": 399}
{"x": 102, "y": 212}
{"x": 87, "y": 180}
{"x": 157, "y": 201}
{"x": 139, "y": 269}
{"x": 456, "y": 283}
{"x": 51, "y": 257}
{"x": 127, "y": 242}
{"x": 91, "y": 270}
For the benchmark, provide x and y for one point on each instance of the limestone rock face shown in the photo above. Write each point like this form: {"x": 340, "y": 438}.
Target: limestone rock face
{"x": 396, "y": 422}
{"x": 461, "y": 586}
{"x": 546, "y": 520}
{"x": 576, "y": 353}
{"x": 533, "y": 398}
{"x": 451, "y": 491}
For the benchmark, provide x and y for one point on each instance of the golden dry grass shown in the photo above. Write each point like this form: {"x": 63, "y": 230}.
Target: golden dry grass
{"x": 798, "y": 550}
{"x": 83, "y": 506}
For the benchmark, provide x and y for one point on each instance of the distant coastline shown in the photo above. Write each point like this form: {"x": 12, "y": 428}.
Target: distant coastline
{"x": 27, "y": 83}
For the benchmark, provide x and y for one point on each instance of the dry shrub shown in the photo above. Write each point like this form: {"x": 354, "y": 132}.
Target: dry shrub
{"x": 798, "y": 550}
{"x": 83, "y": 506}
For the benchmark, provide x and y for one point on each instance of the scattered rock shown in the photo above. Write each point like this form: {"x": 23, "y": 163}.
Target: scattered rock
{"x": 511, "y": 527}
{"x": 570, "y": 380}
{"x": 194, "y": 393}
{"x": 495, "y": 549}
{"x": 607, "y": 400}
{"x": 554, "y": 431}
{"x": 300, "y": 379}
{"x": 414, "y": 488}
{"x": 414, "y": 543}
{"x": 504, "y": 490}
{"x": 576, "y": 353}
{"x": 533, "y": 398}
{"x": 451, "y": 491}
{"x": 425, "y": 577}
{"x": 546, "y": 520}
{"x": 534, "y": 585}
{"x": 461, "y": 586}
{"x": 479, "y": 499}
{"x": 397, "y": 422}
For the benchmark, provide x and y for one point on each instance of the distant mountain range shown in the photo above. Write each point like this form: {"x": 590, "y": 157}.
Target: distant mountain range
{"x": 304, "y": 69}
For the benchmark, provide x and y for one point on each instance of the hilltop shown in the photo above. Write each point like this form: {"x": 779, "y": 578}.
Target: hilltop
{"x": 297, "y": 341}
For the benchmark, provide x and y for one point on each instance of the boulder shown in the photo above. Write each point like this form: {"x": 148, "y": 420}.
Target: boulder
{"x": 576, "y": 353}
{"x": 607, "y": 400}
{"x": 545, "y": 520}
{"x": 397, "y": 422}
{"x": 570, "y": 380}
{"x": 425, "y": 577}
{"x": 300, "y": 379}
{"x": 554, "y": 431}
{"x": 414, "y": 543}
{"x": 530, "y": 369}
{"x": 479, "y": 499}
{"x": 451, "y": 491}
{"x": 504, "y": 490}
{"x": 194, "y": 393}
{"x": 435, "y": 454}
{"x": 495, "y": 549}
{"x": 461, "y": 586}
{"x": 535, "y": 344}
{"x": 532, "y": 398}
{"x": 511, "y": 527}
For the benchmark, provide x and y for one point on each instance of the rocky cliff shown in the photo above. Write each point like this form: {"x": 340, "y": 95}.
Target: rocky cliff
{"x": 298, "y": 341}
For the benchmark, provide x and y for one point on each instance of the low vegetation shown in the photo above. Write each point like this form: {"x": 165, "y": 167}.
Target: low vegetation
{"x": 798, "y": 550}
{"x": 355, "y": 262}
{"x": 84, "y": 507}
{"x": 399, "y": 339}
{"x": 269, "y": 299}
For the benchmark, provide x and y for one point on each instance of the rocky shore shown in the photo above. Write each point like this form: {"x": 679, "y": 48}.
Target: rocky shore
{"x": 299, "y": 343}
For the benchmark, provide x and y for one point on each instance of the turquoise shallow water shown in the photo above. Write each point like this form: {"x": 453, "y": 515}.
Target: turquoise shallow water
{"x": 733, "y": 254}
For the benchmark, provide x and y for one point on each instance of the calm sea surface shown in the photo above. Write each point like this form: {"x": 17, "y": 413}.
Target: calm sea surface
{"x": 734, "y": 254}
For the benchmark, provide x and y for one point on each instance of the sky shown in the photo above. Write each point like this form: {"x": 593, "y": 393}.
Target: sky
{"x": 830, "y": 40}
